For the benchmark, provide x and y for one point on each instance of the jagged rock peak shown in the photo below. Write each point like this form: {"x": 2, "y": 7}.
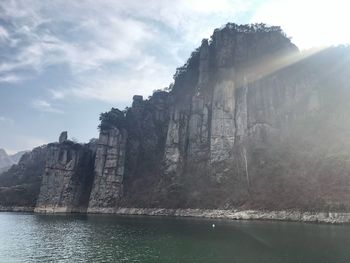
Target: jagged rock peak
{"x": 63, "y": 137}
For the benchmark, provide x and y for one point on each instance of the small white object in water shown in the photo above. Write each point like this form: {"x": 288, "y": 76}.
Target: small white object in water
{"x": 213, "y": 225}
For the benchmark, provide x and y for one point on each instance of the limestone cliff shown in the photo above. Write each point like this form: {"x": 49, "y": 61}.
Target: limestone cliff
{"x": 241, "y": 112}
{"x": 250, "y": 123}
{"x": 107, "y": 187}
{"x": 67, "y": 178}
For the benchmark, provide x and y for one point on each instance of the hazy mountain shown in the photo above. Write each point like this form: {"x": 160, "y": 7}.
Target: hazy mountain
{"x": 7, "y": 160}
{"x": 17, "y": 156}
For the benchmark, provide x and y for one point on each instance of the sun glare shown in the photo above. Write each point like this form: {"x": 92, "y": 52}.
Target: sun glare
{"x": 310, "y": 23}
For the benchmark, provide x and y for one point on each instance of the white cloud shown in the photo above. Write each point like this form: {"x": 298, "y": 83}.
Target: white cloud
{"x": 10, "y": 78}
{"x": 4, "y": 35}
{"x": 57, "y": 94}
{"x": 117, "y": 31}
{"x": 311, "y": 23}
{"x": 93, "y": 38}
{"x": 89, "y": 36}
{"x": 44, "y": 106}
{"x": 147, "y": 76}
{"x": 103, "y": 36}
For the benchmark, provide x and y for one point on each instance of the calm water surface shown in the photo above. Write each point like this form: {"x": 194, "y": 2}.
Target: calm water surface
{"x": 99, "y": 238}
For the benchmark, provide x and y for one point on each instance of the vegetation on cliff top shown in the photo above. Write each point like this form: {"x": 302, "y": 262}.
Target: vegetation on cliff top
{"x": 114, "y": 118}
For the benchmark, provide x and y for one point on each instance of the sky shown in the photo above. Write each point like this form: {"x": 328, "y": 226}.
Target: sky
{"x": 63, "y": 62}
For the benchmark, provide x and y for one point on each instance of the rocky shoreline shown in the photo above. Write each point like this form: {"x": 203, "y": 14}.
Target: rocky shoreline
{"x": 293, "y": 216}
{"x": 296, "y": 216}
{"x": 16, "y": 209}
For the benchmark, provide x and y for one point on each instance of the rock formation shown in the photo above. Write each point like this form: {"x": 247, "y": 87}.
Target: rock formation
{"x": 249, "y": 123}
{"x": 107, "y": 188}
{"x": 67, "y": 178}
{"x": 63, "y": 137}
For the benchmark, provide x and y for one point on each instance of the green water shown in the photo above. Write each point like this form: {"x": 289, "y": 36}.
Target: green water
{"x": 98, "y": 238}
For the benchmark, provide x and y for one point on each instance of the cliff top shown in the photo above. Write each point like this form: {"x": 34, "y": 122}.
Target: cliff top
{"x": 229, "y": 46}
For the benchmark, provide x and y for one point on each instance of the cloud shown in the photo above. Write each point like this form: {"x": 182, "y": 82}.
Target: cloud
{"x": 57, "y": 94}
{"x": 310, "y": 23}
{"x": 97, "y": 39}
{"x": 4, "y": 35}
{"x": 141, "y": 79}
{"x": 10, "y": 78}
{"x": 102, "y": 36}
{"x": 44, "y": 106}
{"x": 92, "y": 37}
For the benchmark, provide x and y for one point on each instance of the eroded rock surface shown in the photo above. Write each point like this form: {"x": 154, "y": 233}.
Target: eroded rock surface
{"x": 107, "y": 187}
{"x": 67, "y": 178}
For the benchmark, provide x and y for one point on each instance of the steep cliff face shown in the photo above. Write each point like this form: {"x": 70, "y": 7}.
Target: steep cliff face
{"x": 147, "y": 125}
{"x": 129, "y": 154}
{"x": 53, "y": 178}
{"x": 109, "y": 168}
{"x": 301, "y": 156}
{"x": 250, "y": 123}
{"x": 206, "y": 153}
{"x": 67, "y": 178}
{"x": 241, "y": 113}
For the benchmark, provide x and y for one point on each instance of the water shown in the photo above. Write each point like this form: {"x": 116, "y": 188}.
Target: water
{"x": 99, "y": 238}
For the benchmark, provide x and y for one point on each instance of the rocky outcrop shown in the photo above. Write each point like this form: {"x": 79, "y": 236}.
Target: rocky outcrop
{"x": 250, "y": 124}
{"x": 107, "y": 188}
{"x": 63, "y": 137}
{"x": 67, "y": 178}
{"x": 147, "y": 125}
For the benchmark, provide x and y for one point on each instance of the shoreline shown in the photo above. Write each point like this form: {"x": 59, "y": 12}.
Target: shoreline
{"x": 293, "y": 216}
{"x": 16, "y": 209}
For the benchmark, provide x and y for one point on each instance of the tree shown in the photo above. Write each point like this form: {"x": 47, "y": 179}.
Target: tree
{"x": 112, "y": 119}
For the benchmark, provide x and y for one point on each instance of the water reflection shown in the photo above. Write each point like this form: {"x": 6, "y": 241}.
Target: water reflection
{"x": 99, "y": 238}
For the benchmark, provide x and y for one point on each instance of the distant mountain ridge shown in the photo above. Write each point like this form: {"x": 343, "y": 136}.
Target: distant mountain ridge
{"x": 6, "y": 161}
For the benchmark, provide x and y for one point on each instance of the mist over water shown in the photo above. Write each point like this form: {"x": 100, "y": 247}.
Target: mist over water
{"x": 100, "y": 238}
